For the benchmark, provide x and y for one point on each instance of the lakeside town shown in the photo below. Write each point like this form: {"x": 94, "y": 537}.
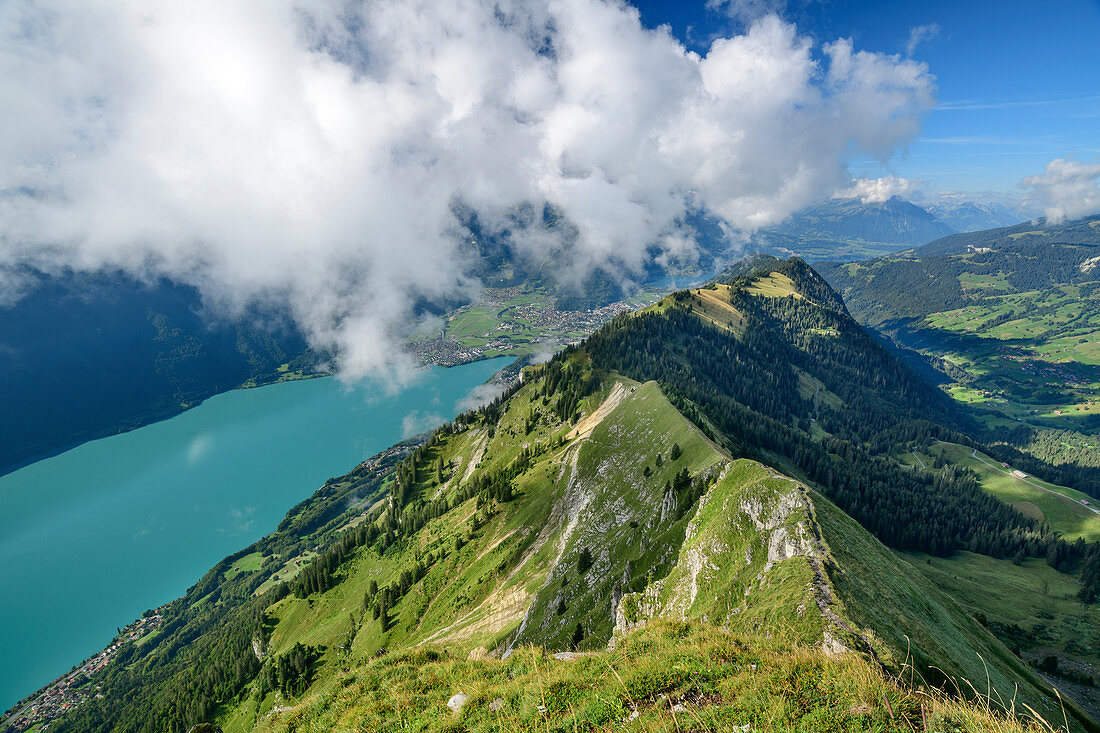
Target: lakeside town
{"x": 515, "y": 328}
{"x": 70, "y": 690}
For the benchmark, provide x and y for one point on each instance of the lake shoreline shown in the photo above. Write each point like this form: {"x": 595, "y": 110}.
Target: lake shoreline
{"x": 268, "y": 451}
{"x": 155, "y": 416}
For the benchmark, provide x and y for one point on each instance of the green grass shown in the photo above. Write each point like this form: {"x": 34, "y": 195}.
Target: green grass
{"x": 282, "y": 373}
{"x": 973, "y": 281}
{"x": 713, "y": 306}
{"x": 773, "y": 285}
{"x": 514, "y": 581}
{"x": 248, "y": 564}
{"x": 1061, "y": 506}
{"x": 1015, "y": 346}
{"x": 665, "y": 677}
{"x": 1031, "y": 606}
{"x": 288, "y": 572}
{"x": 920, "y": 632}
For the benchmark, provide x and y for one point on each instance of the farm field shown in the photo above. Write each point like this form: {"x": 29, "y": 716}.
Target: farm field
{"x": 247, "y": 564}
{"x": 1010, "y": 316}
{"x": 1058, "y": 506}
{"x": 1032, "y": 356}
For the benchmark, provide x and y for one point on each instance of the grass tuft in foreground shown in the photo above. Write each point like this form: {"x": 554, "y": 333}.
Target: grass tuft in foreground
{"x": 664, "y": 677}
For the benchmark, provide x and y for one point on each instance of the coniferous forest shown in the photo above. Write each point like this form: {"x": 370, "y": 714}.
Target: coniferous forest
{"x": 741, "y": 389}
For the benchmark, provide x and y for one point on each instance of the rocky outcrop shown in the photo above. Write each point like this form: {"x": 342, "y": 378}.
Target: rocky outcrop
{"x": 751, "y": 523}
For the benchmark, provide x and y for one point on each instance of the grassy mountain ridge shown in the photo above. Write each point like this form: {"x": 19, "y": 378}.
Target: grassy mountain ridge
{"x": 685, "y": 463}
{"x": 1078, "y": 232}
{"x": 782, "y": 568}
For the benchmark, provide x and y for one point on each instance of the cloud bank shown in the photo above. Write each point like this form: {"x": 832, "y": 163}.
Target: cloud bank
{"x": 312, "y": 153}
{"x": 1066, "y": 189}
{"x": 879, "y": 190}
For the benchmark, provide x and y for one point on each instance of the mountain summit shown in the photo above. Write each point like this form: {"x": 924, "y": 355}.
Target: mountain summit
{"x": 895, "y": 220}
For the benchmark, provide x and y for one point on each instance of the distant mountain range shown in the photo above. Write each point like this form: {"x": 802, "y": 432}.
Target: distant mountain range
{"x": 852, "y": 229}
{"x": 970, "y": 216}
{"x": 895, "y": 221}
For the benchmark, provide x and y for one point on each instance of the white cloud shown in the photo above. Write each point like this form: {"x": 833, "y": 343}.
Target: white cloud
{"x": 1067, "y": 189}
{"x": 417, "y": 422}
{"x": 748, "y": 11}
{"x": 878, "y": 190}
{"x": 309, "y": 153}
{"x": 479, "y": 396}
{"x": 919, "y": 34}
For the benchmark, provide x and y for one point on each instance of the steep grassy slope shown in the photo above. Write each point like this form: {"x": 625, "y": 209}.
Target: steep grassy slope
{"x": 1034, "y": 609}
{"x": 751, "y": 560}
{"x": 665, "y": 677}
{"x": 602, "y": 539}
{"x": 918, "y": 628}
{"x": 665, "y": 471}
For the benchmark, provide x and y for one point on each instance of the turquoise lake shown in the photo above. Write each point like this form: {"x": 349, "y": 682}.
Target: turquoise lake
{"x": 94, "y": 536}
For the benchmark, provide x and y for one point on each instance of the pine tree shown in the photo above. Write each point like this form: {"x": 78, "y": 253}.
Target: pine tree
{"x": 584, "y": 561}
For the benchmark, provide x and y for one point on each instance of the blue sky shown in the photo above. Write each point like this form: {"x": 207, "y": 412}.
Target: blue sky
{"x": 1019, "y": 82}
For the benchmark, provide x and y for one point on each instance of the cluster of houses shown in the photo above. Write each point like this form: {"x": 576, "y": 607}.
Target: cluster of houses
{"x": 445, "y": 352}
{"x": 549, "y": 322}
{"x": 78, "y": 685}
{"x": 374, "y": 462}
{"x": 561, "y": 322}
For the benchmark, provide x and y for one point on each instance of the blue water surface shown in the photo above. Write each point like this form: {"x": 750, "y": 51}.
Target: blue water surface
{"x": 94, "y": 536}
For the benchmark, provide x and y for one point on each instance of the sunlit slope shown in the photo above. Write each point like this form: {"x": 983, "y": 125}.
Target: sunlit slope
{"x": 1011, "y": 316}
{"x": 602, "y": 537}
{"x": 1070, "y": 513}
{"x": 665, "y": 677}
{"x": 919, "y": 631}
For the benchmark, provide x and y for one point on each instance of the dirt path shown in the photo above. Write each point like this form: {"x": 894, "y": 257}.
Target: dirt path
{"x": 588, "y": 424}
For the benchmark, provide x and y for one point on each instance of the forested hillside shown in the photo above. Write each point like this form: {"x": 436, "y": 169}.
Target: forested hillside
{"x": 1011, "y": 317}
{"x": 686, "y": 463}
{"x": 90, "y": 355}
